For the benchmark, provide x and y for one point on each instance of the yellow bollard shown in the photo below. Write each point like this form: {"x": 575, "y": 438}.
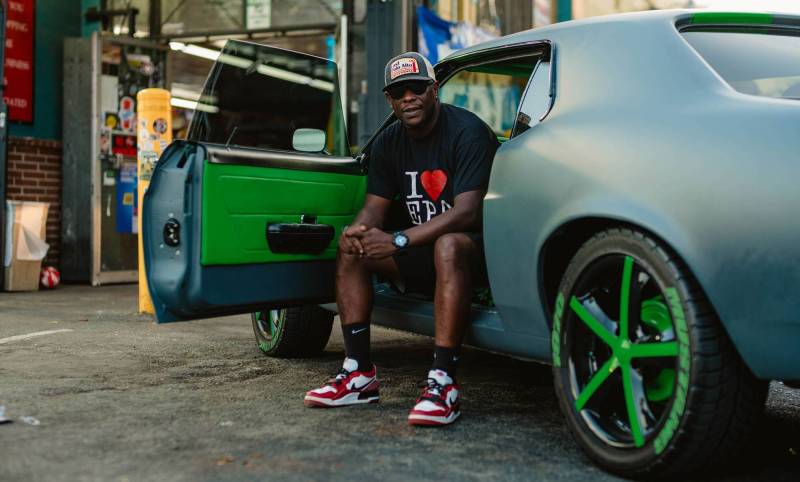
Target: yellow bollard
{"x": 154, "y": 133}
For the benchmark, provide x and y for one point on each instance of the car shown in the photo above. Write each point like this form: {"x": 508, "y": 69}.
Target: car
{"x": 640, "y": 223}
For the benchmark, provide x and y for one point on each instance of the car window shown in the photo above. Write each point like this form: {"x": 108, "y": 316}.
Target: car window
{"x": 537, "y": 100}
{"x": 765, "y": 64}
{"x": 259, "y": 96}
{"x": 491, "y": 90}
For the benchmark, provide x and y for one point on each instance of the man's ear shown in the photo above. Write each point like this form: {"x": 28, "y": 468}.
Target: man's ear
{"x": 388, "y": 98}
{"x": 435, "y": 87}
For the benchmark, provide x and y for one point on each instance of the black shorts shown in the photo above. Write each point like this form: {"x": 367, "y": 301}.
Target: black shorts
{"x": 418, "y": 270}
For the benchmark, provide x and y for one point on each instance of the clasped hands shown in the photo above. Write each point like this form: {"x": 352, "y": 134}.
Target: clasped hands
{"x": 365, "y": 242}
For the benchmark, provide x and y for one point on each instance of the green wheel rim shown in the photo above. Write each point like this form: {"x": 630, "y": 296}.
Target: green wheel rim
{"x": 269, "y": 325}
{"x": 623, "y": 351}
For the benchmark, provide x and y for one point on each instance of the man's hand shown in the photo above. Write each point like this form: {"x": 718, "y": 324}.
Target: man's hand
{"x": 349, "y": 241}
{"x": 372, "y": 214}
{"x": 377, "y": 244}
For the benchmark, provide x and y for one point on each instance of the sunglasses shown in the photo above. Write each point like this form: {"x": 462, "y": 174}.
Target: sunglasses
{"x": 416, "y": 87}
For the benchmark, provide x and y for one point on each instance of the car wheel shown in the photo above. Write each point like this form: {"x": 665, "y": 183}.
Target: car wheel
{"x": 292, "y": 332}
{"x": 645, "y": 374}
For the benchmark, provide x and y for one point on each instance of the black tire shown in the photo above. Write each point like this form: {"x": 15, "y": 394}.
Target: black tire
{"x": 678, "y": 398}
{"x": 299, "y": 332}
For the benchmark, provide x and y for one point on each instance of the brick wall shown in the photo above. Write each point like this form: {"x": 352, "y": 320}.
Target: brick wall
{"x": 34, "y": 174}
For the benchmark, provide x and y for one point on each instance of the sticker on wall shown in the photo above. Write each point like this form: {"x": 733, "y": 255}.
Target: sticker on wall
{"x": 109, "y": 177}
{"x": 126, "y": 195}
{"x": 105, "y": 143}
{"x": 127, "y": 113}
{"x": 111, "y": 120}
{"x": 123, "y": 144}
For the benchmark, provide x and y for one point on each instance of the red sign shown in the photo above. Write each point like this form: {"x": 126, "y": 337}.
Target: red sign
{"x": 124, "y": 145}
{"x": 18, "y": 69}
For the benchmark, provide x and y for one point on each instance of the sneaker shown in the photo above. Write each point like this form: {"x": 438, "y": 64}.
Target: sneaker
{"x": 349, "y": 387}
{"x": 438, "y": 404}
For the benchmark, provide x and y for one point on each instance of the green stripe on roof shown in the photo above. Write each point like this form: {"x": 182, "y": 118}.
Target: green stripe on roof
{"x": 732, "y": 17}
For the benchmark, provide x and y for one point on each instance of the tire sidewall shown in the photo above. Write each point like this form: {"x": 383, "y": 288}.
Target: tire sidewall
{"x": 654, "y": 260}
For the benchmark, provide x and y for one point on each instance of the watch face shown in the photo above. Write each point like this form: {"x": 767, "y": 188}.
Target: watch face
{"x": 400, "y": 240}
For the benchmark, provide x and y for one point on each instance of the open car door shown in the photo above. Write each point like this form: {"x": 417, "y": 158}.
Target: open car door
{"x": 246, "y": 213}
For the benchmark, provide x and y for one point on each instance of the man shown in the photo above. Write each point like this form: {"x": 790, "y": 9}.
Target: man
{"x": 437, "y": 157}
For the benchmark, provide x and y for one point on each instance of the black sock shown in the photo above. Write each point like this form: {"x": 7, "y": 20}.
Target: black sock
{"x": 356, "y": 344}
{"x": 446, "y": 359}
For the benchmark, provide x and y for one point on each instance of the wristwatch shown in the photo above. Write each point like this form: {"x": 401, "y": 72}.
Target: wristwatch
{"x": 400, "y": 240}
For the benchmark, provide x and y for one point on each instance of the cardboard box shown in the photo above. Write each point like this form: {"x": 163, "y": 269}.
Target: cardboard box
{"x": 25, "y": 246}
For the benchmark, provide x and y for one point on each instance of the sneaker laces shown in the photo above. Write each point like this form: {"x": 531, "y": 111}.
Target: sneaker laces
{"x": 433, "y": 390}
{"x": 339, "y": 377}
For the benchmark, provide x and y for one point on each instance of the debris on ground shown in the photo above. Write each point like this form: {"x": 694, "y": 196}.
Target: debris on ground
{"x": 228, "y": 459}
{"x": 226, "y": 423}
{"x": 30, "y": 420}
{"x": 3, "y": 418}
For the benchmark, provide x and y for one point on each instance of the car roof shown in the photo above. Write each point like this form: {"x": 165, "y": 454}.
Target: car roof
{"x": 633, "y": 22}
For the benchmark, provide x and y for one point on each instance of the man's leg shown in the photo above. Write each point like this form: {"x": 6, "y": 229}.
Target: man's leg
{"x": 354, "y": 296}
{"x": 357, "y": 382}
{"x": 455, "y": 256}
{"x": 354, "y": 285}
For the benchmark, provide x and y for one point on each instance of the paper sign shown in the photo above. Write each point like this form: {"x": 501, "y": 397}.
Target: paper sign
{"x": 18, "y": 71}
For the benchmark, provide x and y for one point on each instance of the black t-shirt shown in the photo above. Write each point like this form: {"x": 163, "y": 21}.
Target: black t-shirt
{"x": 456, "y": 157}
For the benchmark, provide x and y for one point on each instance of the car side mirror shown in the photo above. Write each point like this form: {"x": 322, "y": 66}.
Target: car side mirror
{"x": 308, "y": 140}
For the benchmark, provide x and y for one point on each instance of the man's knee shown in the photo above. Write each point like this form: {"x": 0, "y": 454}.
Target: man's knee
{"x": 346, "y": 257}
{"x": 349, "y": 262}
{"x": 452, "y": 249}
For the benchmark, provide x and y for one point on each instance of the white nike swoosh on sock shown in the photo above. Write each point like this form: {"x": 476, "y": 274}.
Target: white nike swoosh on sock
{"x": 356, "y": 332}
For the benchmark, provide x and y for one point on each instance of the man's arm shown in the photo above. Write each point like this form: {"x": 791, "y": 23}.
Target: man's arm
{"x": 372, "y": 215}
{"x": 465, "y": 215}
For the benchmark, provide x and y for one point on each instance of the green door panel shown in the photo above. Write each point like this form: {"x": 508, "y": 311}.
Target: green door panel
{"x": 241, "y": 199}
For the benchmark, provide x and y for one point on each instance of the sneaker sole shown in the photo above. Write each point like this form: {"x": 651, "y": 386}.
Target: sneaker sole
{"x": 345, "y": 401}
{"x": 431, "y": 420}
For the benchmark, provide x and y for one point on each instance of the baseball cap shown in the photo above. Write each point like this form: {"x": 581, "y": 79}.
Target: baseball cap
{"x": 407, "y": 66}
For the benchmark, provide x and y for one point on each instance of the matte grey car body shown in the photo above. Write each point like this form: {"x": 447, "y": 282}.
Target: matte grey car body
{"x": 643, "y": 132}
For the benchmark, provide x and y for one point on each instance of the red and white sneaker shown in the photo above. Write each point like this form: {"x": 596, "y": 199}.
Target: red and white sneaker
{"x": 438, "y": 404}
{"x": 349, "y": 387}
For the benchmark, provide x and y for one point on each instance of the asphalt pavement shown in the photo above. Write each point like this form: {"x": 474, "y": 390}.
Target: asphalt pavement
{"x": 109, "y": 395}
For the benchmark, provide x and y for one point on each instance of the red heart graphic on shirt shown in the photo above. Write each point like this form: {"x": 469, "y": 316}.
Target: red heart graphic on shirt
{"x": 434, "y": 182}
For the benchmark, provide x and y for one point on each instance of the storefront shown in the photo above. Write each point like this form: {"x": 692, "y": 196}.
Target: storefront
{"x": 73, "y": 142}
{"x": 32, "y": 76}
{"x": 172, "y": 44}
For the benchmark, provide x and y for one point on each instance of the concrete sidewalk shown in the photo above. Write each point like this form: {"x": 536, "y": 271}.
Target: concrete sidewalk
{"x": 121, "y": 398}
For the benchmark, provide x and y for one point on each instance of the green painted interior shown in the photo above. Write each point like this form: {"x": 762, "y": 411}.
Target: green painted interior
{"x": 54, "y": 20}
{"x": 511, "y": 69}
{"x": 239, "y": 201}
{"x": 731, "y": 17}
